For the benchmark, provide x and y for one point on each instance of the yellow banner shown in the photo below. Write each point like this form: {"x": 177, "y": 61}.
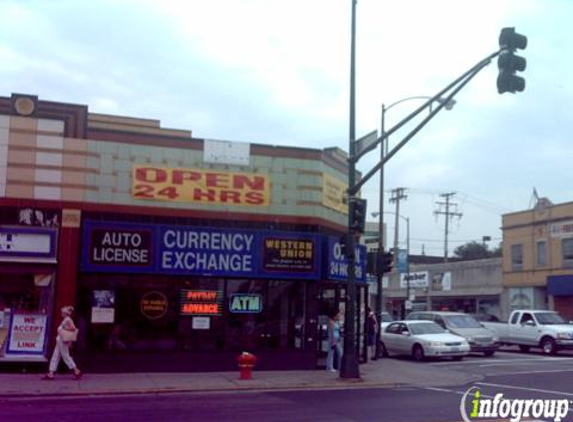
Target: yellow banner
{"x": 202, "y": 186}
{"x": 334, "y": 193}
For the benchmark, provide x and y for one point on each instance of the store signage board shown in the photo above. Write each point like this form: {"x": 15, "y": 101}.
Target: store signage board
{"x": 226, "y": 152}
{"x": 201, "y": 323}
{"x": 153, "y": 305}
{"x": 28, "y": 244}
{"x": 103, "y": 307}
{"x": 337, "y": 264}
{"x": 200, "y": 186}
{"x": 201, "y": 302}
{"x": 27, "y": 334}
{"x": 204, "y": 251}
{"x": 292, "y": 254}
{"x": 246, "y": 303}
{"x": 334, "y": 193}
{"x": 418, "y": 279}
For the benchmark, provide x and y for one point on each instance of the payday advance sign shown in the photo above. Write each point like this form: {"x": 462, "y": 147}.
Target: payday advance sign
{"x": 111, "y": 247}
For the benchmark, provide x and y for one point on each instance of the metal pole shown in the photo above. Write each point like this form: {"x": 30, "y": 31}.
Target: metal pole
{"x": 407, "y": 261}
{"x": 379, "y": 301}
{"x": 349, "y": 366}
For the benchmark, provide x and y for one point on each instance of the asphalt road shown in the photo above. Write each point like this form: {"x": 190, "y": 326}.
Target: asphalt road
{"x": 516, "y": 375}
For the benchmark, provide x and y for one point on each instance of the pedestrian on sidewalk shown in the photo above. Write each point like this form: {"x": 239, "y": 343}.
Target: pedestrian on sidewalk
{"x": 64, "y": 340}
{"x": 372, "y": 330}
{"x": 334, "y": 347}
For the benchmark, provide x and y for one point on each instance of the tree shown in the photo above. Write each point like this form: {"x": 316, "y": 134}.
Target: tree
{"x": 474, "y": 250}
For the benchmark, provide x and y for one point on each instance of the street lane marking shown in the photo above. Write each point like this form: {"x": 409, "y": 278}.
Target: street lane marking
{"x": 488, "y": 362}
{"x": 495, "y": 374}
{"x": 536, "y": 390}
{"x": 528, "y": 361}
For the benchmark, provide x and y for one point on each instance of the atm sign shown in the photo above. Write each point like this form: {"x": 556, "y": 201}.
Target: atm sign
{"x": 246, "y": 303}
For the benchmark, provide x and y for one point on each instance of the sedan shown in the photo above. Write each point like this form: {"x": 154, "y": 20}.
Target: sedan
{"x": 422, "y": 339}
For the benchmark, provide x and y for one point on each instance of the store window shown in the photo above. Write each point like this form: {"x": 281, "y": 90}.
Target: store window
{"x": 279, "y": 321}
{"x": 25, "y": 306}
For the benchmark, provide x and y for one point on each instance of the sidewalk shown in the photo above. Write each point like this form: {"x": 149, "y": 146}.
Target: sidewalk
{"x": 384, "y": 372}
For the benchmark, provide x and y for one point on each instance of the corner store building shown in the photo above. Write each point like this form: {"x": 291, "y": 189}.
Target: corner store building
{"x": 178, "y": 252}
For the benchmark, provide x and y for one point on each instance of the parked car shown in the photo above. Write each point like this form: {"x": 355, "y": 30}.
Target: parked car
{"x": 535, "y": 328}
{"x": 481, "y": 339}
{"x": 485, "y": 317}
{"x": 386, "y": 319}
{"x": 422, "y": 339}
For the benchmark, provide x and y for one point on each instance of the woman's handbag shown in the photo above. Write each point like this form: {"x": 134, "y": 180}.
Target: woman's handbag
{"x": 68, "y": 335}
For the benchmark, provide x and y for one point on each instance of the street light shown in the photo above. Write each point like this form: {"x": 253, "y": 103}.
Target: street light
{"x": 448, "y": 105}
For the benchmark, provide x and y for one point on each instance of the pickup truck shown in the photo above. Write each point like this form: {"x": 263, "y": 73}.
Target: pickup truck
{"x": 534, "y": 328}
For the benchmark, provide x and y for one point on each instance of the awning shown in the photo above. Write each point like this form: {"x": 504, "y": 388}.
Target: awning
{"x": 560, "y": 285}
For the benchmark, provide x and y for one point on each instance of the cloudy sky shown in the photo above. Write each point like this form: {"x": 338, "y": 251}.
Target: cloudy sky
{"x": 277, "y": 72}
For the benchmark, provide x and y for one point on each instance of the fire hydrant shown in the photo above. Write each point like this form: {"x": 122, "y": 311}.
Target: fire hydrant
{"x": 246, "y": 362}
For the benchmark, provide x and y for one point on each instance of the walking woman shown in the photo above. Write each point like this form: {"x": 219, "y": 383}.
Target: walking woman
{"x": 63, "y": 343}
{"x": 334, "y": 347}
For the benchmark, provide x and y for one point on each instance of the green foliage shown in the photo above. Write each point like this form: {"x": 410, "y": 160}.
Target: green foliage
{"x": 474, "y": 250}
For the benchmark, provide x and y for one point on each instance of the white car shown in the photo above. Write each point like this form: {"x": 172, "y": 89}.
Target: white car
{"x": 422, "y": 339}
{"x": 385, "y": 321}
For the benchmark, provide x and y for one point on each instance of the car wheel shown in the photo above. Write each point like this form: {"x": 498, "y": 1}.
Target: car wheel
{"x": 457, "y": 357}
{"x": 524, "y": 349}
{"x": 489, "y": 353}
{"x": 418, "y": 353}
{"x": 548, "y": 346}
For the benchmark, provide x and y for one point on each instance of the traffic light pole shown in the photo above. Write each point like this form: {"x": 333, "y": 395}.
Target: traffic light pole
{"x": 349, "y": 365}
{"x": 459, "y": 83}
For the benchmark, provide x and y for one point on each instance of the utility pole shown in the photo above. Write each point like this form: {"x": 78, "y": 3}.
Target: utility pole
{"x": 397, "y": 195}
{"x": 349, "y": 366}
{"x": 445, "y": 210}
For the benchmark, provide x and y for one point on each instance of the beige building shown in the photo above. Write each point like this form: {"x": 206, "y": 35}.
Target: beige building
{"x": 538, "y": 257}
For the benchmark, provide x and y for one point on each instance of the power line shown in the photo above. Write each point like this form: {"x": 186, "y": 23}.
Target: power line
{"x": 448, "y": 214}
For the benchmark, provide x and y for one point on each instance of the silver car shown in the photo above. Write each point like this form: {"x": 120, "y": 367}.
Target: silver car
{"x": 481, "y": 340}
{"x": 422, "y": 339}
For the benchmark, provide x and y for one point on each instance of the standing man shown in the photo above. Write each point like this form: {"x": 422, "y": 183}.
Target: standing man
{"x": 372, "y": 329}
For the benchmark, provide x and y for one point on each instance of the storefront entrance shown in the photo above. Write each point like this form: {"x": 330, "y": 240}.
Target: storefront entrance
{"x": 200, "y": 324}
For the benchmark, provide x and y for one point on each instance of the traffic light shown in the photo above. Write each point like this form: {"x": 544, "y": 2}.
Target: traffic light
{"x": 508, "y": 63}
{"x": 387, "y": 260}
{"x": 358, "y": 214}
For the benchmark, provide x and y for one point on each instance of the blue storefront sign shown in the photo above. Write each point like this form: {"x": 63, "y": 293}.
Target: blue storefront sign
{"x": 336, "y": 264}
{"x": 205, "y": 251}
{"x": 402, "y": 261}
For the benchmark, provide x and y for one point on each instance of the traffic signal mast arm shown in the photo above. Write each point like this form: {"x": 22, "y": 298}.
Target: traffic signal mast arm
{"x": 462, "y": 81}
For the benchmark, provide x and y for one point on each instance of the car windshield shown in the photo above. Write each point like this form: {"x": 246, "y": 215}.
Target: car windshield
{"x": 462, "y": 321}
{"x": 426, "y": 328}
{"x": 548, "y": 318}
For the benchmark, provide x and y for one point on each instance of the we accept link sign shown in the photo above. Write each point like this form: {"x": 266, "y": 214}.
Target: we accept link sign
{"x": 476, "y": 406}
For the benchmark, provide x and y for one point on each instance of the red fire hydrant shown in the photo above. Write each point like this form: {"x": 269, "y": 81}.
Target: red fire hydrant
{"x": 246, "y": 362}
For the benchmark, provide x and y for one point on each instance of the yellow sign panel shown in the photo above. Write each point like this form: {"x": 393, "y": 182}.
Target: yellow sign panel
{"x": 334, "y": 193}
{"x": 202, "y": 186}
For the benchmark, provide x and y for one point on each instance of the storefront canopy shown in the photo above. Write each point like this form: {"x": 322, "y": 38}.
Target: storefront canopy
{"x": 560, "y": 285}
